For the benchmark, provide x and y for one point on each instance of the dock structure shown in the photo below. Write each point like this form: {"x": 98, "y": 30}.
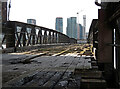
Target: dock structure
{"x": 62, "y": 69}
{"x": 41, "y": 58}
{"x": 104, "y": 35}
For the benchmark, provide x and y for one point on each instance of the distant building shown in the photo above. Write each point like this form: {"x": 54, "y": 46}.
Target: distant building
{"x": 86, "y": 35}
{"x": 59, "y": 24}
{"x": 81, "y": 31}
{"x": 72, "y": 27}
{"x": 31, "y": 21}
{"x": 84, "y": 26}
{"x": 78, "y": 31}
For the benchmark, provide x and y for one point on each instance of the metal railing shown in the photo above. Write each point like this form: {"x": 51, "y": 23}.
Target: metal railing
{"x": 18, "y": 34}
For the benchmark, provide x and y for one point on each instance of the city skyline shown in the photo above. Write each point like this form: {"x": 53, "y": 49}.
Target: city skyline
{"x": 46, "y": 13}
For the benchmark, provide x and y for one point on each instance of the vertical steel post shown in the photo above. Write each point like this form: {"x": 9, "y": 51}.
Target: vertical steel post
{"x": 24, "y": 35}
{"x": 53, "y": 37}
{"x": 49, "y": 37}
{"x": 10, "y": 35}
{"x": 45, "y": 37}
{"x": 117, "y": 42}
{"x": 105, "y": 51}
{"x": 56, "y": 37}
{"x": 40, "y": 36}
{"x": 33, "y": 35}
{"x": 4, "y": 12}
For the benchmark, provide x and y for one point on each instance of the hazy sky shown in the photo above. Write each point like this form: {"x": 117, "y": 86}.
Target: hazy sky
{"x": 45, "y": 11}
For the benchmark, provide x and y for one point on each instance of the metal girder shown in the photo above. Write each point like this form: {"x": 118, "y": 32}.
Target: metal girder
{"x": 105, "y": 36}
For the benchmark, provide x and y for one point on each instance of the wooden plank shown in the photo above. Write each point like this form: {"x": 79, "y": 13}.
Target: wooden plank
{"x": 53, "y": 81}
{"x": 67, "y": 81}
{"x": 32, "y": 82}
{"x": 40, "y": 79}
{"x": 63, "y": 82}
{"x": 45, "y": 66}
{"x": 72, "y": 67}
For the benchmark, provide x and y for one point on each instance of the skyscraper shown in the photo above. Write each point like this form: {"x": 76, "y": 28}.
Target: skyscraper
{"x": 78, "y": 31}
{"x": 81, "y": 31}
{"x": 31, "y": 21}
{"x": 84, "y": 26}
{"x": 59, "y": 24}
{"x": 72, "y": 27}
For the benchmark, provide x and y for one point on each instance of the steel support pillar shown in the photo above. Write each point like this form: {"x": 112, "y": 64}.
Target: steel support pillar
{"x": 24, "y": 35}
{"x": 10, "y": 35}
{"x": 4, "y": 12}
{"x": 117, "y": 42}
{"x": 33, "y": 35}
{"x": 105, "y": 51}
{"x": 105, "y": 37}
{"x": 45, "y": 37}
{"x": 59, "y": 38}
{"x": 49, "y": 37}
{"x": 53, "y": 37}
{"x": 40, "y": 37}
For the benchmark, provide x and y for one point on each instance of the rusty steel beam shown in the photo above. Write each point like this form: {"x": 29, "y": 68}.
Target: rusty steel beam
{"x": 115, "y": 15}
{"x": 117, "y": 41}
{"x": 40, "y": 37}
{"x": 4, "y": 12}
{"x": 10, "y": 35}
{"x": 49, "y": 37}
{"x": 105, "y": 37}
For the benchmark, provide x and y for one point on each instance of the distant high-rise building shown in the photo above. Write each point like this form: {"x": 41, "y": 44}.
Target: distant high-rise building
{"x": 78, "y": 31}
{"x": 59, "y": 24}
{"x": 31, "y": 21}
{"x": 84, "y": 26}
{"x": 81, "y": 31}
{"x": 72, "y": 27}
{"x": 87, "y": 35}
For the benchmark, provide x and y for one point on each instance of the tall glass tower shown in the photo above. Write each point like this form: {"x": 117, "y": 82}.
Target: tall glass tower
{"x": 72, "y": 27}
{"x": 59, "y": 24}
{"x": 81, "y": 31}
{"x": 84, "y": 26}
{"x": 31, "y": 21}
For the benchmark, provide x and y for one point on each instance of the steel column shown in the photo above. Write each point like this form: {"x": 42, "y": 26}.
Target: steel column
{"x": 105, "y": 37}
{"x": 4, "y": 12}
{"x": 105, "y": 51}
{"x": 49, "y": 37}
{"x": 56, "y": 37}
{"x": 10, "y": 35}
{"x": 40, "y": 36}
{"x": 24, "y": 35}
{"x": 33, "y": 35}
{"x": 117, "y": 42}
{"x": 45, "y": 37}
{"x": 53, "y": 37}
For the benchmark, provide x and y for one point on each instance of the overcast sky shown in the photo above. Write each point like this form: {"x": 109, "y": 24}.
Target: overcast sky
{"x": 45, "y": 11}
